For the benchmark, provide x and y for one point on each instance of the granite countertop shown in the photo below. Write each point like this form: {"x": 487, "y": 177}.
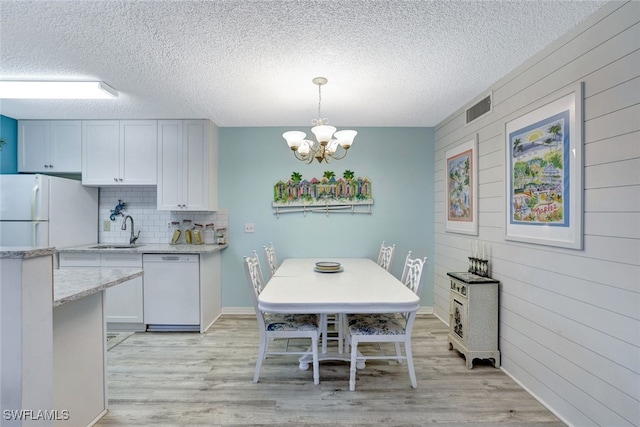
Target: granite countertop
{"x": 148, "y": 248}
{"x": 22, "y": 252}
{"x": 70, "y": 284}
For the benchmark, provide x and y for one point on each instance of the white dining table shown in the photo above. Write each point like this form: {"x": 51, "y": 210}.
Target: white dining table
{"x": 361, "y": 286}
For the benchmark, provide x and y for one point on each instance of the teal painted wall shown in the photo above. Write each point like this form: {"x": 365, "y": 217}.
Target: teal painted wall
{"x": 399, "y": 163}
{"x": 9, "y": 152}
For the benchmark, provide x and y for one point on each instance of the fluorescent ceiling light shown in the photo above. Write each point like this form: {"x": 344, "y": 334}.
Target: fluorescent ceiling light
{"x": 56, "y": 90}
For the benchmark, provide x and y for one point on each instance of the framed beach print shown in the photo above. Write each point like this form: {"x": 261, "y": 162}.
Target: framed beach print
{"x": 544, "y": 173}
{"x": 462, "y": 188}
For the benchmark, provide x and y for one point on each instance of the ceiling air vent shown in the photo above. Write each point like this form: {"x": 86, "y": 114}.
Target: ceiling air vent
{"x": 479, "y": 109}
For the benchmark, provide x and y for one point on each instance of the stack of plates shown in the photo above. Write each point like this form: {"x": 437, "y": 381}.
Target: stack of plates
{"x": 328, "y": 267}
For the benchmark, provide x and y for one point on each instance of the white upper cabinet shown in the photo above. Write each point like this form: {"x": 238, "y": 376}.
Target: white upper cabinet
{"x": 49, "y": 146}
{"x": 119, "y": 152}
{"x": 187, "y": 165}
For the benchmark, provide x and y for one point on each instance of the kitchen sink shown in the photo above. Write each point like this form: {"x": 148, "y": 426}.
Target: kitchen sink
{"x": 114, "y": 246}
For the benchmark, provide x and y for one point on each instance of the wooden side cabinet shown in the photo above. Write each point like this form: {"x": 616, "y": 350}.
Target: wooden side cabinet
{"x": 473, "y": 317}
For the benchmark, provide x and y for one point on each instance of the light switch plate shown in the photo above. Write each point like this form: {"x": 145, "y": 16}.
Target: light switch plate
{"x": 106, "y": 226}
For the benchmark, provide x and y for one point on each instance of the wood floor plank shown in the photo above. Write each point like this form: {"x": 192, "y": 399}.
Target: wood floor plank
{"x": 192, "y": 379}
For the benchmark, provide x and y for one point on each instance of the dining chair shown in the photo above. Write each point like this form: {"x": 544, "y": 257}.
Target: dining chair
{"x": 385, "y": 256}
{"x": 274, "y": 326}
{"x": 381, "y": 328}
{"x": 271, "y": 258}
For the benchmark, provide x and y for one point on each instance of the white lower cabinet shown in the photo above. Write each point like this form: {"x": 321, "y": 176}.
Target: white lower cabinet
{"x": 125, "y": 310}
{"x": 125, "y": 301}
{"x": 177, "y": 292}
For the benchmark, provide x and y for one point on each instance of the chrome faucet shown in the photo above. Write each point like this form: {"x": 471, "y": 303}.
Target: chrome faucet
{"x": 133, "y": 237}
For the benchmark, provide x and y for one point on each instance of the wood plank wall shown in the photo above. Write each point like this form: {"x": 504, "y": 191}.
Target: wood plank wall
{"x": 569, "y": 319}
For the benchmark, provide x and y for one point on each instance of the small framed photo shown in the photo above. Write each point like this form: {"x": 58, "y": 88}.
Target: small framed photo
{"x": 462, "y": 188}
{"x": 544, "y": 173}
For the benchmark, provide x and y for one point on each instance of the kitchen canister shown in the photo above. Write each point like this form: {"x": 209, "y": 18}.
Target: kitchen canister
{"x": 175, "y": 232}
{"x": 209, "y": 234}
{"x": 187, "y": 231}
{"x": 221, "y": 236}
{"x": 197, "y": 236}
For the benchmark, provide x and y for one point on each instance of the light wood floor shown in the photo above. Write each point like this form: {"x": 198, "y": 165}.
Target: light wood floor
{"x": 184, "y": 379}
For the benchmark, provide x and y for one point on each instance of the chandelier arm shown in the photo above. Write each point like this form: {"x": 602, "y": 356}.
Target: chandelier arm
{"x": 338, "y": 157}
{"x": 307, "y": 159}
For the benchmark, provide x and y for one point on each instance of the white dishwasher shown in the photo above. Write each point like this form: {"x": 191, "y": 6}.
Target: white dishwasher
{"x": 171, "y": 292}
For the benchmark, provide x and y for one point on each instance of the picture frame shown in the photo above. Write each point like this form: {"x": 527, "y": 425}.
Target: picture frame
{"x": 544, "y": 173}
{"x": 461, "y": 204}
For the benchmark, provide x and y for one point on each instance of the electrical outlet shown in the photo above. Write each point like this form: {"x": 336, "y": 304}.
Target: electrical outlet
{"x": 106, "y": 226}
{"x": 249, "y": 228}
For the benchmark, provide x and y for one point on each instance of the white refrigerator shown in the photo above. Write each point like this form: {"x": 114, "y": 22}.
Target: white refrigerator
{"x": 43, "y": 211}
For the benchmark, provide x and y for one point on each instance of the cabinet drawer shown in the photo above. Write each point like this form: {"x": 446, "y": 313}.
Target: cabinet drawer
{"x": 122, "y": 260}
{"x": 79, "y": 260}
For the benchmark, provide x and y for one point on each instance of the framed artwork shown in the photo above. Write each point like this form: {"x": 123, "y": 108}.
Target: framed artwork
{"x": 462, "y": 188}
{"x": 544, "y": 173}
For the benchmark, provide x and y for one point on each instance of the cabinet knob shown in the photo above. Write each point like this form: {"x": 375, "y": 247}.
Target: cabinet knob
{"x": 50, "y": 166}
{"x": 46, "y": 166}
{"x": 115, "y": 179}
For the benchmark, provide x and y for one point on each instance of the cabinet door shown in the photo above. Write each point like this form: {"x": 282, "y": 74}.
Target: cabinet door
{"x": 124, "y": 301}
{"x": 33, "y": 146}
{"x": 195, "y": 165}
{"x": 65, "y": 148}
{"x": 139, "y": 145}
{"x": 170, "y": 165}
{"x": 101, "y": 152}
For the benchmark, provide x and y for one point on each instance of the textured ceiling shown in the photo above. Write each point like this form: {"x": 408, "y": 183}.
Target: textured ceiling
{"x": 250, "y": 63}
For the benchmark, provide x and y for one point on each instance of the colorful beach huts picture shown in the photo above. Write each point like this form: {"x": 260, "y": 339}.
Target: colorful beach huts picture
{"x": 327, "y": 190}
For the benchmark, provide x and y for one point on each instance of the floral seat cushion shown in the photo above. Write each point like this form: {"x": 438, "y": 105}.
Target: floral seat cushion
{"x": 375, "y": 324}
{"x": 290, "y": 322}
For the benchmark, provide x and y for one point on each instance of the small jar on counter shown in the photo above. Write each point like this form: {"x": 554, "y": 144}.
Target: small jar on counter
{"x": 198, "y": 238}
{"x": 209, "y": 234}
{"x": 187, "y": 231}
{"x": 175, "y": 232}
{"x": 221, "y": 236}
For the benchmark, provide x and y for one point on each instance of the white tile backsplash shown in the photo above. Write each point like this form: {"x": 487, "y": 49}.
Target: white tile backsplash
{"x": 141, "y": 205}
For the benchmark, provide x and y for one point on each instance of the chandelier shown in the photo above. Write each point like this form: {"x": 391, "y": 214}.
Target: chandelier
{"x": 329, "y": 144}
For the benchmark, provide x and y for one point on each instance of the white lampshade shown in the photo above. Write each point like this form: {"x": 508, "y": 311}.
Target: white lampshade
{"x": 323, "y": 133}
{"x": 304, "y": 148}
{"x": 332, "y": 147}
{"x": 294, "y": 138}
{"x": 345, "y": 137}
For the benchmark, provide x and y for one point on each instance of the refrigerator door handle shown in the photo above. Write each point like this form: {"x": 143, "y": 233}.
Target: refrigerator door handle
{"x": 34, "y": 234}
{"x": 34, "y": 200}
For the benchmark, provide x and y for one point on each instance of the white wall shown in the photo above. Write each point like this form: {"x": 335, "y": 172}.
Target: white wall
{"x": 569, "y": 319}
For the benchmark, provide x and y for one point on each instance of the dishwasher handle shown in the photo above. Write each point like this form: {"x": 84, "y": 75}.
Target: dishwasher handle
{"x": 160, "y": 258}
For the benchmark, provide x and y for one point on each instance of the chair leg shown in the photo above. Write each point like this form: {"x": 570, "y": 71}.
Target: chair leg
{"x": 412, "y": 372}
{"x": 262, "y": 351}
{"x": 339, "y": 326}
{"x": 316, "y": 364}
{"x": 398, "y": 352}
{"x": 352, "y": 367}
{"x": 323, "y": 332}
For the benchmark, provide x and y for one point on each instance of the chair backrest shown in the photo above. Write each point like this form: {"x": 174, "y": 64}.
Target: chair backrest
{"x": 385, "y": 258}
{"x": 254, "y": 277}
{"x": 412, "y": 273}
{"x": 270, "y": 256}
{"x": 256, "y": 284}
